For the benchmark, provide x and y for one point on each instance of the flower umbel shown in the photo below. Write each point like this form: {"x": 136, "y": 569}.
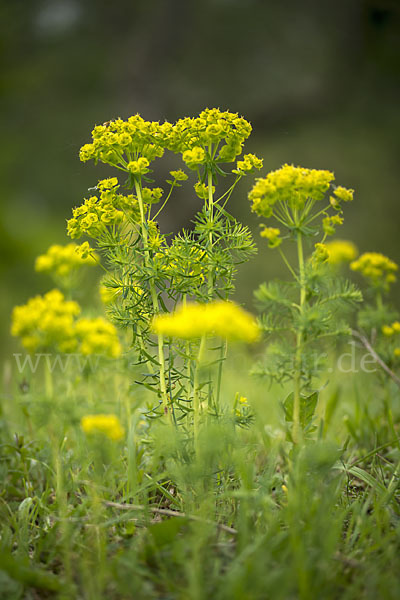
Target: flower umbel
{"x": 108, "y": 210}
{"x": 377, "y": 269}
{"x": 289, "y": 185}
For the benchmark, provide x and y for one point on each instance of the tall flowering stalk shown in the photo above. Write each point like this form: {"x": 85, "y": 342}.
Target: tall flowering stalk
{"x": 306, "y": 310}
{"x": 148, "y": 275}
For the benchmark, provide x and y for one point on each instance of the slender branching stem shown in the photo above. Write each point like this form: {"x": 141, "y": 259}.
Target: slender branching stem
{"x": 196, "y": 391}
{"x": 285, "y": 260}
{"x": 143, "y": 348}
{"x": 223, "y": 347}
{"x": 222, "y": 358}
{"x": 210, "y": 236}
{"x": 154, "y": 299}
{"x": 165, "y": 201}
{"x": 299, "y": 344}
{"x": 188, "y": 359}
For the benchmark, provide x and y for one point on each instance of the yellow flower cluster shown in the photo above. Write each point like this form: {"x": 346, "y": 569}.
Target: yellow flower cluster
{"x": 329, "y": 224}
{"x": 272, "y": 235}
{"x": 49, "y": 322}
{"x": 341, "y": 194}
{"x": 201, "y": 190}
{"x": 62, "y": 260}
{"x": 155, "y": 240}
{"x": 224, "y": 319}
{"x": 108, "y": 425}
{"x": 242, "y": 404}
{"x": 211, "y": 128}
{"x": 139, "y": 166}
{"x": 178, "y": 175}
{"x": 115, "y": 142}
{"x": 320, "y": 254}
{"x": 46, "y": 322}
{"x": 390, "y": 330}
{"x": 93, "y": 217}
{"x": 376, "y": 268}
{"x": 289, "y": 185}
{"x": 97, "y": 336}
{"x": 132, "y": 145}
{"x": 248, "y": 164}
{"x": 194, "y": 157}
{"x": 340, "y": 251}
{"x": 151, "y": 195}
{"x": 393, "y": 330}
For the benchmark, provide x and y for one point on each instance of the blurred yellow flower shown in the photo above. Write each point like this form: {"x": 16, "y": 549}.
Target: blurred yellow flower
{"x": 49, "y": 322}
{"x": 272, "y": 235}
{"x": 62, "y": 260}
{"x": 46, "y": 322}
{"x": 98, "y": 336}
{"x": 108, "y": 425}
{"x": 340, "y": 251}
{"x": 387, "y": 330}
{"x": 220, "y": 318}
{"x": 376, "y": 268}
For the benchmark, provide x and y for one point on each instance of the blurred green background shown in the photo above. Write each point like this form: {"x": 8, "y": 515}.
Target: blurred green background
{"x": 319, "y": 80}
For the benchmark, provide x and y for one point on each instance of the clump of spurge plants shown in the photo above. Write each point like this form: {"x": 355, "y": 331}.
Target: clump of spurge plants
{"x": 133, "y": 479}
{"x": 150, "y": 273}
{"x": 301, "y": 314}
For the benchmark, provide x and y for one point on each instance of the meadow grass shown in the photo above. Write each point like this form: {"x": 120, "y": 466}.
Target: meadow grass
{"x": 244, "y": 517}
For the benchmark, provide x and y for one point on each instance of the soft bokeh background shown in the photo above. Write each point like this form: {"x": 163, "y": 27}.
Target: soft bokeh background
{"x": 318, "y": 80}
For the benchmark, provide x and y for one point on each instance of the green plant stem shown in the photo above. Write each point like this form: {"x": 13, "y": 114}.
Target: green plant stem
{"x": 211, "y": 286}
{"x": 285, "y": 260}
{"x": 165, "y": 201}
{"x": 196, "y": 391}
{"x": 188, "y": 364}
{"x": 143, "y": 348}
{"x": 299, "y": 343}
{"x": 222, "y": 358}
{"x": 210, "y": 236}
{"x": 62, "y": 504}
{"x": 227, "y": 194}
{"x": 154, "y": 299}
{"x": 394, "y": 482}
{"x": 316, "y": 215}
